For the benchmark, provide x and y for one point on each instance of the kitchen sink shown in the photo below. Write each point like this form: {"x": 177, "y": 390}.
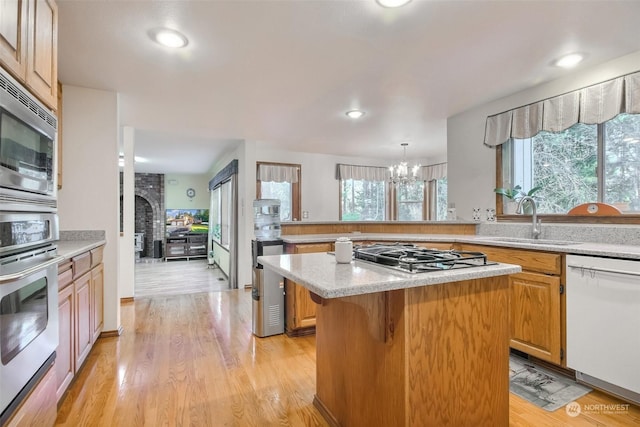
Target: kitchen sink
{"x": 529, "y": 241}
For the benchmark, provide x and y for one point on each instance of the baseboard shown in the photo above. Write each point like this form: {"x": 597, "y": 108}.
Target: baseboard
{"x": 111, "y": 334}
{"x": 324, "y": 411}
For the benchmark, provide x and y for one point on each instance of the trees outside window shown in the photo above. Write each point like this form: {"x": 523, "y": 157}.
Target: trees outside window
{"x": 585, "y": 163}
{"x": 362, "y": 200}
{"x": 441, "y": 199}
{"x": 410, "y": 201}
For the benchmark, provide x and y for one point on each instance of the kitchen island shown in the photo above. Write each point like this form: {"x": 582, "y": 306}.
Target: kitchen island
{"x": 402, "y": 349}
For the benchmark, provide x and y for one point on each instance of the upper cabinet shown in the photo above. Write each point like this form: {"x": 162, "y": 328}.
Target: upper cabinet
{"x": 13, "y": 37}
{"x": 29, "y": 45}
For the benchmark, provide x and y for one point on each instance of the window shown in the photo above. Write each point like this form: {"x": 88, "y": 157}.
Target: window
{"x": 366, "y": 195}
{"x": 362, "y": 200}
{"x": 584, "y": 163}
{"x": 441, "y": 199}
{"x": 282, "y": 182}
{"x": 410, "y": 201}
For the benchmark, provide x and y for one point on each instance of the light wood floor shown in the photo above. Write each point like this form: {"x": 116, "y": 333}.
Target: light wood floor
{"x": 177, "y": 277}
{"x": 191, "y": 360}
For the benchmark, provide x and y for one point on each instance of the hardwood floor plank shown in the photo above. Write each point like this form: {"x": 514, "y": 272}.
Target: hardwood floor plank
{"x": 178, "y": 278}
{"x": 191, "y": 360}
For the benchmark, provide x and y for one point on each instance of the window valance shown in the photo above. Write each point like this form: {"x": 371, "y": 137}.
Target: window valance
{"x": 277, "y": 173}
{"x": 361, "y": 173}
{"x": 224, "y": 175}
{"x": 431, "y": 172}
{"x": 591, "y": 105}
{"x": 377, "y": 173}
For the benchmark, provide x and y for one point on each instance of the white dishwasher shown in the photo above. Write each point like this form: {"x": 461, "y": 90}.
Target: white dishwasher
{"x": 603, "y": 323}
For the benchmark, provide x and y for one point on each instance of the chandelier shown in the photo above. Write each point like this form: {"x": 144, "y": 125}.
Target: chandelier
{"x": 402, "y": 173}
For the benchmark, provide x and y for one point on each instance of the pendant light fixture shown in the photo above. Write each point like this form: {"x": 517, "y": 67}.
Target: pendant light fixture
{"x": 402, "y": 173}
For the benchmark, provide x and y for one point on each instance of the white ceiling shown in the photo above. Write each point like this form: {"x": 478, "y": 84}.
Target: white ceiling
{"x": 284, "y": 72}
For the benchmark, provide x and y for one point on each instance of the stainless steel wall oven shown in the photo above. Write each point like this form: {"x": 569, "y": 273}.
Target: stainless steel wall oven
{"x": 28, "y": 303}
{"x": 28, "y": 244}
{"x": 27, "y": 150}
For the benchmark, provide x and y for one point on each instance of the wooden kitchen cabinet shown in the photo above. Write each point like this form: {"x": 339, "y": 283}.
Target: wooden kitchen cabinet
{"x": 97, "y": 310}
{"x": 29, "y": 45}
{"x": 13, "y": 37}
{"x": 65, "y": 353}
{"x": 537, "y": 320}
{"x": 444, "y": 246}
{"x": 42, "y": 51}
{"x": 84, "y": 334}
{"x": 80, "y": 313}
{"x": 300, "y": 316}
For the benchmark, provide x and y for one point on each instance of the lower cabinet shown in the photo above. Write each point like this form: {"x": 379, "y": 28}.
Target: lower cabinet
{"x": 300, "y": 318}
{"x": 80, "y": 314}
{"x": 536, "y": 299}
{"x": 97, "y": 306}
{"x": 84, "y": 334}
{"x": 65, "y": 353}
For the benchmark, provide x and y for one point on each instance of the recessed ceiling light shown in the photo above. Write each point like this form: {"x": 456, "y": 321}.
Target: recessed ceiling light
{"x": 392, "y": 3}
{"x": 355, "y": 114}
{"x": 569, "y": 61}
{"x": 168, "y": 37}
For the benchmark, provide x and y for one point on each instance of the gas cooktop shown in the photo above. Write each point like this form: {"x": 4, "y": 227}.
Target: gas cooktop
{"x": 415, "y": 259}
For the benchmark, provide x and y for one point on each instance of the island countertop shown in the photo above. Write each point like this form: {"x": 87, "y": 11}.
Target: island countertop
{"x": 319, "y": 273}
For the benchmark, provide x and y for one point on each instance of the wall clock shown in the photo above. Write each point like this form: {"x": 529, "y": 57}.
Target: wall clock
{"x": 191, "y": 193}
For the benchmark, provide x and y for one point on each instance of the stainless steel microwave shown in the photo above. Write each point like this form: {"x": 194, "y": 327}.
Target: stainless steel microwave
{"x": 27, "y": 150}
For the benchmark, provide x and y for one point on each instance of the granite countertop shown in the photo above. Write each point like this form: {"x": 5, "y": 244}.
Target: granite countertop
{"x": 320, "y": 273}
{"x": 75, "y": 242}
{"x": 70, "y": 248}
{"x": 612, "y": 250}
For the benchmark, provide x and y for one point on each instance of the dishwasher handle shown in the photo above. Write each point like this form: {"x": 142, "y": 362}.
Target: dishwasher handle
{"x": 605, "y": 270}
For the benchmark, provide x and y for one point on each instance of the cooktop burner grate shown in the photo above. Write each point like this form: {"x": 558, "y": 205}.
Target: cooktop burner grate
{"x": 415, "y": 259}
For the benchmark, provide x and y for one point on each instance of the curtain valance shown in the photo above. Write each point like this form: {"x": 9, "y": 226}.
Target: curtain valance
{"x": 591, "y": 105}
{"x": 277, "y": 173}
{"x": 361, "y": 173}
{"x": 224, "y": 175}
{"x": 429, "y": 173}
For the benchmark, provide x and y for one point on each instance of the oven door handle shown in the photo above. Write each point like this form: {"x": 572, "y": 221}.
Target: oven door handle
{"x": 24, "y": 273}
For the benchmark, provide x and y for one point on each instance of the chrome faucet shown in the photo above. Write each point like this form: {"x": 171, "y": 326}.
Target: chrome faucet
{"x": 537, "y": 224}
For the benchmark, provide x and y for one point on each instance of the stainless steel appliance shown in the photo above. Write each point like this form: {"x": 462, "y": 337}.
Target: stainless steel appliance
{"x": 27, "y": 150}
{"x": 28, "y": 303}
{"x": 267, "y": 291}
{"x": 415, "y": 259}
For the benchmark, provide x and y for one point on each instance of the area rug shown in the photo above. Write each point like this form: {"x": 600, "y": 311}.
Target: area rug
{"x": 542, "y": 387}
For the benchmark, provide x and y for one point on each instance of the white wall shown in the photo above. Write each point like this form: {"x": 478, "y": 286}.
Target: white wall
{"x": 472, "y": 166}
{"x": 245, "y": 154}
{"x": 175, "y": 191}
{"x": 320, "y": 195}
{"x": 89, "y": 198}
{"x": 320, "y": 188}
{"x": 126, "y": 253}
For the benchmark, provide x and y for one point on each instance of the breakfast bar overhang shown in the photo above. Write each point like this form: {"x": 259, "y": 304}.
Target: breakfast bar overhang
{"x": 402, "y": 349}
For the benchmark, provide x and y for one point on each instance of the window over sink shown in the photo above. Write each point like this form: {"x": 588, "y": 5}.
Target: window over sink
{"x": 584, "y": 163}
